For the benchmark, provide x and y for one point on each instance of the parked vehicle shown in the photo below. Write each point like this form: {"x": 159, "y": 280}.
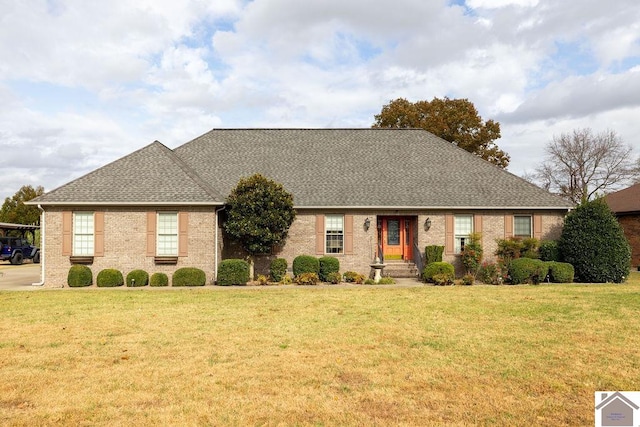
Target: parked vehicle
{"x": 17, "y": 249}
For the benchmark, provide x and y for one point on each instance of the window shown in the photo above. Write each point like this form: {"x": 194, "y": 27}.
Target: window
{"x": 462, "y": 227}
{"x": 334, "y": 232}
{"x": 83, "y": 234}
{"x": 522, "y": 226}
{"x": 167, "y": 234}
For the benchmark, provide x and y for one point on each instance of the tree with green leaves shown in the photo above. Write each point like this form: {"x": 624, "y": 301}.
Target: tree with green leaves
{"x": 593, "y": 242}
{"x": 15, "y": 211}
{"x": 259, "y": 214}
{"x": 454, "y": 120}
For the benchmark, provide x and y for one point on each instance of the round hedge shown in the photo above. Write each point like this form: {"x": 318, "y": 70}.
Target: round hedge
{"x": 232, "y": 272}
{"x": 137, "y": 278}
{"x": 328, "y": 265}
{"x": 109, "y": 278}
{"x": 305, "y": 264}
{"x": 527, "y": 270}
{"x": 189, "y": 276}
{"x": 79, "y": 276}
{"x": 438, "y": 268}
{"x": 278, "y": 269}
{"x": 561, "y": 272}
{"x": 159, "y": 279}
{"x": 593, "y": 242}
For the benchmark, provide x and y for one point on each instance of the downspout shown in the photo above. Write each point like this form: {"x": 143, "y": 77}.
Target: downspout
{"x": 42, "y": 236}
{"x": 215, "y": 262}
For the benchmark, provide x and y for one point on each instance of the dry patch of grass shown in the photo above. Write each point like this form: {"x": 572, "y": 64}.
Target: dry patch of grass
{"x": 316, "y": 356}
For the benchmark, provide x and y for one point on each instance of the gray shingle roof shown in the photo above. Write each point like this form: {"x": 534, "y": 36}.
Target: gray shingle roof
{"x": 392, "y": 168}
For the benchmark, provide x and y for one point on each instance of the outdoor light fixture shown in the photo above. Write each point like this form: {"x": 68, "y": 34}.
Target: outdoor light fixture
{"x": 367, "y": 223}
{"x": 427, "y": 224}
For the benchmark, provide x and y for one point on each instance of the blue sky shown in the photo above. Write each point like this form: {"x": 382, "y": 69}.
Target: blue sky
{"x": 84, "y": 83}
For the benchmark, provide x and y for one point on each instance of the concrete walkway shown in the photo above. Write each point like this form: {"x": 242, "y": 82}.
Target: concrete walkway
{"x": 19, "y": 277}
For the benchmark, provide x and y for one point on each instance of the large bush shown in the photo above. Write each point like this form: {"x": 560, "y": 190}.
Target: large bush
{"x": 433, "y": 253}
{"x": 328, "y": 265}
{"x": 560, "y": 272}
{"x": 278, "y": 269}
{"x": 437, "y": 268}
{"x": 549, "y": 250}
{"x": 305, "y": 264}
{"x": 527, "y": 270}
{"x": 159, "y": 279}
{"x": 233, "y": 272}
{"x": 593, "y": 242}
{"x": 79, "y": 275}
{"x": 188, "y": 276}
{"x": 137, "y": 278}
{"x": 471, "y": 255}
{"x": 109, "y": 278}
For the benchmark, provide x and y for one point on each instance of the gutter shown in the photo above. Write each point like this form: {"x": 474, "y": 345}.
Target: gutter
{"x": 215, "y": 257}
{"x": 42, "y": 240}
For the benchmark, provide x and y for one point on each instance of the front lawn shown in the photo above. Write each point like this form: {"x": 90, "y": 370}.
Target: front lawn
{"x": 505, "y": 355}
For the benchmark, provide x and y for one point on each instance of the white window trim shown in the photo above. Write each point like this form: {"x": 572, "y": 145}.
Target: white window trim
{"x": 458, "y": 238}
{"x": 340, "y": 233}
{"x": 80, "y": 247}
{"x": 160, "y": 243}
{"x": 530, "y": 225}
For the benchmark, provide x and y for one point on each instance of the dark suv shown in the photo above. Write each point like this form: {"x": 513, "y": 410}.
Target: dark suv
{"x": 17, "y": 249}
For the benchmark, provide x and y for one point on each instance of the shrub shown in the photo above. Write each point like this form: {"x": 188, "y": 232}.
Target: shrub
{"x": 433, "y": 253}
{"x": 549, "y": 250}
{"x": 307, "y": 279}
{"x": 471, "y": 255}
{"x": 109, "y": 278}
{"x": 278, "y": 269}
{"x": 287, "y": 279}
{"x": 593, "y": 242}
{"x": 328, "y": 264}
{"x": 137, "y": 278}
{"x": 262, "y": 280}
{"x": 442, "y": 279}
{"x": 369, "y": 281}
{"x": 530, "y": 248}
{"x": 305, "y": 264}
{"x": 353, "y": 277}
{"x": 386, "y": 281}
{"x": 437, "y": 268}
{"x": 334, "y": 278}
{"x": 188, "y": 276}
{"x": 560, "y": 272}
{"x": 527, "y": 270}
{"x": 468, "y": 279}
{"x": 232, "y": 272}
{"x": 159, "y": 279}
{"x": 490, "y": 273}
{"x": 79, "y": 275}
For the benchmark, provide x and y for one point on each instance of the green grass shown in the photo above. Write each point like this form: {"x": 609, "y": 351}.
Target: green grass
{"x": 505, "y": 355}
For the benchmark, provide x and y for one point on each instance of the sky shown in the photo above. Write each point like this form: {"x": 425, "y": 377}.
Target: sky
{"x": 83, "y": 83}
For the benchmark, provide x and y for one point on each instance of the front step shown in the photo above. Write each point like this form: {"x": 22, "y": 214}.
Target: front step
{"x": 400, "y": 269}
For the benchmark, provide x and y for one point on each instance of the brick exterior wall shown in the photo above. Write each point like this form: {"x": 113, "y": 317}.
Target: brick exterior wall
{"x": 125, "y": 240}
{"x": 631, "y": 226}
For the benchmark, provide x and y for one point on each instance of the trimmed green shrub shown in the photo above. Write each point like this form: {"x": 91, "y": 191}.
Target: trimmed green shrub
{"x": 305, "y": 264}
{"x": 433, "y": 253}
{"x": 527, "y": 270}
{"x": 159, "y": 279}
{"x": 593, "y": 242}
{"x": 79, "y": 275}
{"x": 386, "y": 281}
{"x": 137, "y": 278}
{"x": 369, "y": 281}
{"x": 328, "y": 264}
{"x": 233, "y": 272}
{"x": 442, "y": 279}
{"x": 549, "y": 250}
{"x": 438, "y": 268}
{"x": 353, "y": 277}
{"x": 307, "y": 279}
{"x": 560, "y": 272}
{"x": 109, "y": 278}
{"x": 188, "y": 276}
{"x": 278, "y": 269}
{"x": 334, "y": 278}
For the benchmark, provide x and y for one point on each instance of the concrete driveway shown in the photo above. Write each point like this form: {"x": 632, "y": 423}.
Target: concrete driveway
{"x": 19, "y": 277}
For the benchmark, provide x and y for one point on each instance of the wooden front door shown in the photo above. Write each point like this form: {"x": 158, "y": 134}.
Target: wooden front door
{"x": 397, "y": 237}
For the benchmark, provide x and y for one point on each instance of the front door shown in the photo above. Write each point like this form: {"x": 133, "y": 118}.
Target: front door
{"x": 397, "y": 237}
